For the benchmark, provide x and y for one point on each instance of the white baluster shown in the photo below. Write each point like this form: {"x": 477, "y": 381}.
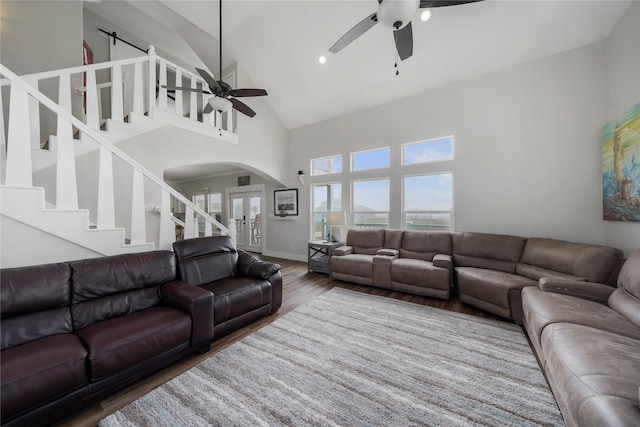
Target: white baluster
{"x": 167, "y": 227}
{"x": 188, "y": 223}
{"x": 117, "y": 100}
{"x": 230, "y": 120}
{"x": 152, "y": 83}
{"x": 193, "y": 106}
{"x": 66, "y": 184}
{"x": 178, "y": 93}
{"x": 138, "y": 89}
{"x": 208, "y": 228}
{"x": 106, "y": 208}
{"x": 34, "y": 115}
{"x": 93, "y": 112}
{"x": 19, "y": 172}
{"x": 162, "y": 93}
{"x": 3, "y": 141}
{"x": 138, "y": 225}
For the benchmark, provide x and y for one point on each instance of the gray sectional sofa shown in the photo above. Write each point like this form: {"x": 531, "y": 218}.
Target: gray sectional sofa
{"x": 587, "y": 338}
{"x": 417, "y": 262}
{"x": 579, "y": 304}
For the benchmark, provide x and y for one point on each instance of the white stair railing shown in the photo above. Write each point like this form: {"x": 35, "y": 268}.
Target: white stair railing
{"x": 18, "y": 171}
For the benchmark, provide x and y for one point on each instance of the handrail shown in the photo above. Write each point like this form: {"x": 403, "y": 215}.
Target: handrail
{"x": 51, "y": 105}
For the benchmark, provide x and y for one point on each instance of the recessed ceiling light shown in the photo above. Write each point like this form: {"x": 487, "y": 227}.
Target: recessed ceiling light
{"x": 425, "y": 15}
{"x": 322, "y": 59}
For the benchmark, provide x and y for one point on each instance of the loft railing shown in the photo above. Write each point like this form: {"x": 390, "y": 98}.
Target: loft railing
{"x": 24, "y": 98}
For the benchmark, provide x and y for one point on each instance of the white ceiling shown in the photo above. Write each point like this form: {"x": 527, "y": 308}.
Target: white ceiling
{"x": 277, "y": 44}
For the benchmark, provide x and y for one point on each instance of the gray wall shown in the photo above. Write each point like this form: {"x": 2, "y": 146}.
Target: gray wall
{"x": 527, "y": 144}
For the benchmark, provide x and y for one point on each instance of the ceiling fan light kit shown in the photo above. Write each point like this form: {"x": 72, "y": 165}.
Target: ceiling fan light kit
{"x": 395, "y": 15}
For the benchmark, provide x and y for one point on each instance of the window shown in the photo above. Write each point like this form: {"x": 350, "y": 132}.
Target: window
{"x": 326, "y": 165}
{"x": 434, "y": 150}
{"x": 371, "y": 203}
{"x": 326, "y": 198}
{"x": 428, "y": 202}
{"x": 215, "y": 206}
{"x": 211, "y": 204}
{"x": 372, "y": 159}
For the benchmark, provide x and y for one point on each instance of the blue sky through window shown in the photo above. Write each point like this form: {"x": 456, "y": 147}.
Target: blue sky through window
{"x": 374, "y": 159}
{"x": 428, "y": 192}
{"x": 428, "y": 151}
{"x": 371, "y": 195}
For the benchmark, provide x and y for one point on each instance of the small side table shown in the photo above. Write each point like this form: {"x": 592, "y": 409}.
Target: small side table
{"x": 319, "y": 254}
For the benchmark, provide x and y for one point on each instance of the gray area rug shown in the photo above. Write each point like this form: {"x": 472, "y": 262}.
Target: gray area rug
{"x": 354, "y": 359}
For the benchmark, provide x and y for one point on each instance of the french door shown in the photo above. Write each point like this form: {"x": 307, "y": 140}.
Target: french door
{"x": 245, "y": 210}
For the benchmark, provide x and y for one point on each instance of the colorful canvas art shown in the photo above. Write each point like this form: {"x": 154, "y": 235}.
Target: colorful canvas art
{"x": 621, "y": 167}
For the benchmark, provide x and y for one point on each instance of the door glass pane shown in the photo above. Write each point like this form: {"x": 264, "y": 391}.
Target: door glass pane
{"x": 256, "y": 221}
{"x": 237, "y": 210}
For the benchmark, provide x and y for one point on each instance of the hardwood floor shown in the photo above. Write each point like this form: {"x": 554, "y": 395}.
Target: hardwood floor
{"x": 299, "y": 287}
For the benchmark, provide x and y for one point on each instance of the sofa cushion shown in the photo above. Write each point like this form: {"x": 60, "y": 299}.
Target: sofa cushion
{"x": 393, "y": 239}
{"x": 353, "y": 264}
{"x": 123, "y": 342}
{"x": 114, "y": 286}
{"x": 492, "y": 251}
{"x": 207, "y": 259}
{"x": 594, "y": 374}
{"x": 592, "y": 262}
{"x": 419, "y": 273}
{"x": 489, "y": 285}
{"x": 629, "y": 277}
{"x": 545, "y": 308}
{"x": 425, "y": 244}
{"x": 536, "y": 273}
{"x": 41, "y": 371}
{"x": 365, "y": 241}
{"x": 239, "y": 295}
{"x": 34, "y": 303}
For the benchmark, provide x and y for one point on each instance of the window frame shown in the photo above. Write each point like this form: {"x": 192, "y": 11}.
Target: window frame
{"x": 427, "y": 141}
{"x": 313, "y": 169}
{"x": 354, "y": 153}
{"x": 330, "y": 208}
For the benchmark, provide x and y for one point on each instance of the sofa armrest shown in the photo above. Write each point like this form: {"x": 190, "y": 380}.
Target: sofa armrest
{"x": 443, "y": 261}
{"x": 343, "y": 250}
{"x": 196, "y": 301}
{"x": 249, "y": 265}
{"x": 587, "y": 290}
{"x": 388, "y": 252}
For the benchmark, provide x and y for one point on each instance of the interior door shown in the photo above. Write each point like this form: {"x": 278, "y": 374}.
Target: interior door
{"x": 244, "y": 209}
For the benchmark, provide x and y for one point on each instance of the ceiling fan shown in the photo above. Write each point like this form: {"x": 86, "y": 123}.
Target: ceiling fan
{"x": 224, "y": 97}
{"x": 395, "y": 15}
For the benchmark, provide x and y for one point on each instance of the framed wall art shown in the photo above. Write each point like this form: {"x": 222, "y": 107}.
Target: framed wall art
{"x": 285, "y": 202}
{"x": 621, "y": 167}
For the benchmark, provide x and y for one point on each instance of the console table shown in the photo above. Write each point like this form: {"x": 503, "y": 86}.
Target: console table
{"x": 319, "y": 254}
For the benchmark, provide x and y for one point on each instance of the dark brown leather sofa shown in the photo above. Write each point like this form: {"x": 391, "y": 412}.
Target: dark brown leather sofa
{"x": 75, "y": 332}
{"x": 587, "y": 338}
{"x": 245, "y": 288}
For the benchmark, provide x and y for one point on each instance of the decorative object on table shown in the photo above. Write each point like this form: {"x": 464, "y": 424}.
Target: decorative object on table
{"x": 336, "y": 220}
{"x": 285, "y": 202}
{"x": 621, "y": 167}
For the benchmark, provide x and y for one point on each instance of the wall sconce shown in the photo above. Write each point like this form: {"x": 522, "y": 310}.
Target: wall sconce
{"x": 301, "y": 176}
{"x": 336, "y": 220}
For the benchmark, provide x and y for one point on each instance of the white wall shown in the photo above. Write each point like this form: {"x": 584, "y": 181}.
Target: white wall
{"x": 527, "y": 148}
{"x": 622, "y": 74}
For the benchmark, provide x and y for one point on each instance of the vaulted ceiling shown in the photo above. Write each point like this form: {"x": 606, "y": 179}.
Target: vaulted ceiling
{"x": 277, "y": 44}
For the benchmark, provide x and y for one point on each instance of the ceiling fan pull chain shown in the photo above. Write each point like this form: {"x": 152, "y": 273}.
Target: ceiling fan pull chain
{"x": 395, "y": 65}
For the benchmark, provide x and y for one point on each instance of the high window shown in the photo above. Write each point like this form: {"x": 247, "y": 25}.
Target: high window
{"x": 326, "y": 165}
{"x": 428, "y": 202}
{"x": 433, "y": 150}
{"x": 371, "y": 203}
{"x": 326, "y": 198}
{"x": 371, "y": 159}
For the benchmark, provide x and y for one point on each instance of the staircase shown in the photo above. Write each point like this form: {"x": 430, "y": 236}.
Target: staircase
{"x": 47, "y": 214}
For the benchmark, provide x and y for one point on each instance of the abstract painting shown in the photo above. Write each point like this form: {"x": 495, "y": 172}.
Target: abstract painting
{"x": 621, "y": 167}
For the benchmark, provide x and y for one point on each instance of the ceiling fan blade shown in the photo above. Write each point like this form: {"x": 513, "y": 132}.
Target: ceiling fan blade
{"x": 248, "y": 92}
{"x": 424, "y": 4}
{"x": 242, "y": 107}
{"x": 404, "y": 41}
{"x": 361, "y": 28}
{"x": 213, "y": 84}
{"x": 187, "y": 89}
{"x": 207, "y": 109}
